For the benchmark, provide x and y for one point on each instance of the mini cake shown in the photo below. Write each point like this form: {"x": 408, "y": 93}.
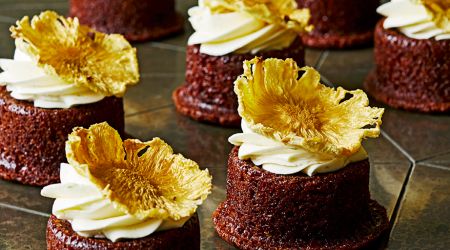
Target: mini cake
{"x": 137, "y": 20}
{"x": 298, "y": 177}
{"x": 340, "y": 23}
{"x": 226, "y": 34}
{"x": 412, "y": 56}
{"x": 128, "y": 194}
{"x": 63, "y": 75}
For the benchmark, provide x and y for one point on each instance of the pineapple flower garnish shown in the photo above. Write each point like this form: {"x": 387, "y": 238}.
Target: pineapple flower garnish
{"x": 103, "y": 63}
{"x": 440, "y": 10}
{"x": 282, "y": 12}
{"x": 288, "y": 104}
{"x": 144, "y": 179}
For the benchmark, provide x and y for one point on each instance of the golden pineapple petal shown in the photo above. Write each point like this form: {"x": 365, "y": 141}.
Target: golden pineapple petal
{"x": 440, "y": 10}
{"x": 289, "y": 104}
{"x": 281, "y": 12}
{"x": 144, "y": 179}
{"x": 98, "y": 145}
{"x": 105, "y": 64}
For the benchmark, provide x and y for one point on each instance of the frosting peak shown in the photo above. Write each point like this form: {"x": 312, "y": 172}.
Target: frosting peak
{"x": 26, "y": 81}
{"x": 226, "y": 26}
{"x": 418, "y": 19}
{"x": 279, "y": 158}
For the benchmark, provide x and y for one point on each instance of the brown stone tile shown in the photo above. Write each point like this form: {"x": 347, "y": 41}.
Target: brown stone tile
{"x": 183, "y": 5}
{"x": 153, "y": 91}
{"x": 347, "y": 68}
{"x": 24, "y": 196}
{"x": 203, "y": 143}
{"x": 441, "y": 160}
{"x": 312, "y": 57}
{"x": 420, "y": 135}
{"x": 386, "y": 182}
{"x": 20, "y": 230}
{"x": 160, "y": 60}
{"x": 424, "y": 218}
{"x": 18, "y": 9}
{"x": 6, "y": 43}
{"x": 381, "y": 150}
{"x": 209, "y": 237}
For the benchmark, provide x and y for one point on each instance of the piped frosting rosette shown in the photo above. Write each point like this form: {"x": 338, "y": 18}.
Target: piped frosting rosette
{"x": 125, "y": 189}
{"x": 242, "y": 26}
{"x": 292, "y": 123}
{"x": 59, "y": 63}
{"x": 418, "y": 19}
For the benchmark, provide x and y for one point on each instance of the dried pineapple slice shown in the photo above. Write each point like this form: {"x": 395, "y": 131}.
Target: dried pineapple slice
{"x": 105, "y": 64}
{"x": 287, "y": 103}
{"x": 440, "y": 9}
{"x": 144, "y": 179}
{"x": 282, "y": 12}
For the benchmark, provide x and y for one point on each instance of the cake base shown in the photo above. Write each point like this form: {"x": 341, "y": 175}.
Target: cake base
{"x": 332, "y": 210}
{"x": 60, "y": 235}
{"x": 365, "y": 236}
{"x": 196, "y": 109}
{"x": 32, "y": 140}
{"x": 374, "y": 88}
{"x": 337, "y": 41}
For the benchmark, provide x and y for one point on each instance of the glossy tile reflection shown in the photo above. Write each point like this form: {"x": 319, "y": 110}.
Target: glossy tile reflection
{"x": 20, "y": 230}
{"x": 23, "y": 196}
{"x": 424, "y": 218}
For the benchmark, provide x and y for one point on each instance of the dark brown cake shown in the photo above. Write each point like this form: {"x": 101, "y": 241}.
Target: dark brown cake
{"x": 137, "y": 20}
{"x": 410, "y": 74}
{"x": 326, "y": 211}
{"x": 340, "y": 23}
{"x": 32, "y": 140}
{"x": 60, "y": 235}
{"x": 207, "y": 95}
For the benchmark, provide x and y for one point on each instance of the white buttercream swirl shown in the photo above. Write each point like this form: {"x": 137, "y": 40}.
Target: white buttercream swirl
{"x": 26, "y": 81}
{"x": 91, "y": 214}
{"x": 412, "y": 19}
{"x": 224, "y": 33}
{"x": 279, "y": 158}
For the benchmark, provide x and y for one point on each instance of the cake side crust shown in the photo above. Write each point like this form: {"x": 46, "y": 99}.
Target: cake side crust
{"x": 410, "y": 74}
{"x": 340, "y": 24}
{"x": 208, "y": 92}
{"x": 136, "y": 20}
{"x": 60, "y": 235}
{"x": 331, "y": 211}
{"x": 32, "y": 140}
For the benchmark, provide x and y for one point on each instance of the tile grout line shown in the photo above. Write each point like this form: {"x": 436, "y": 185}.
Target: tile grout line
{"x": 432, "y": 157}
{"x": 401, "y": 196}
{"x": 397, "y": 146}
{"x": 148, "y": 110}
{"x": 400, "y": 200}
{"x": 326, "y": 81}
{"x": 323, "y": 56}
{"x": 26, "y": 210}
{"x": 431, "y": 165}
